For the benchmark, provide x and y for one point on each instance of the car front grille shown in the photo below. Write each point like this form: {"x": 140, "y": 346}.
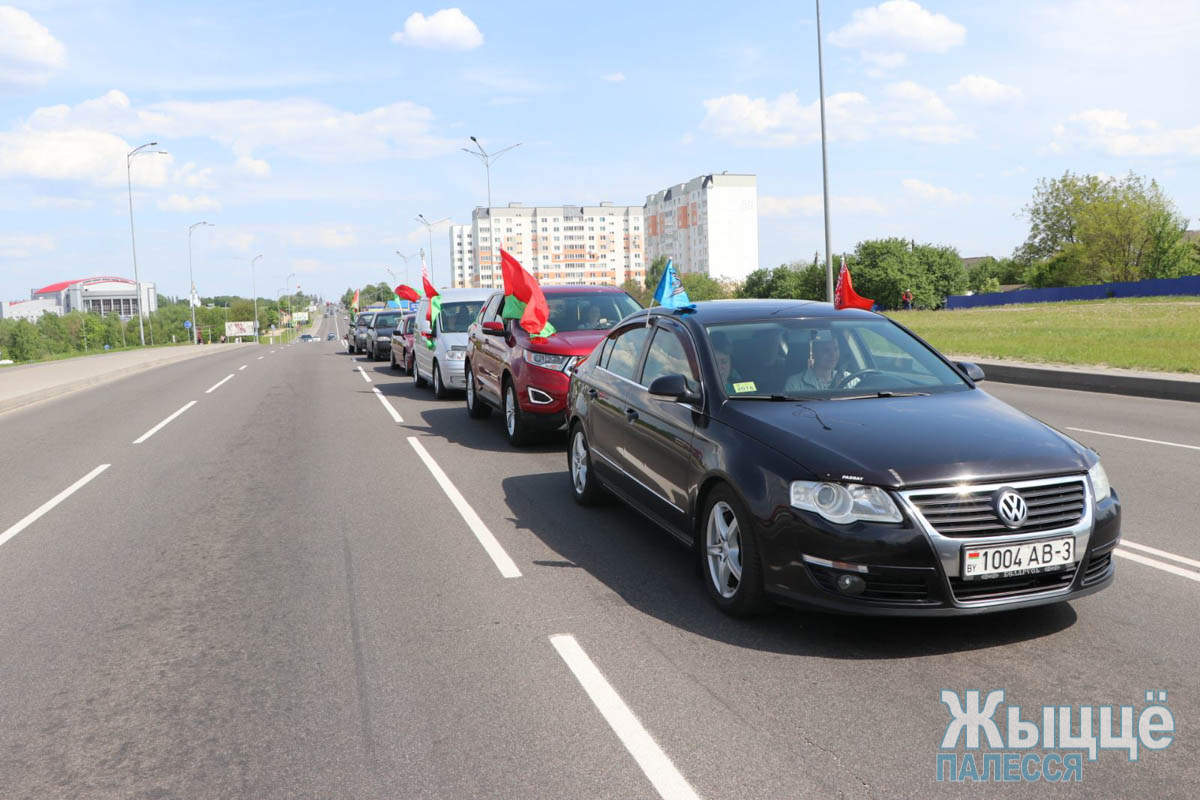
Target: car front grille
{"x": 1010, "y": 588}
{"x": 890, "y": 588}
{"x": 969, "y": 512}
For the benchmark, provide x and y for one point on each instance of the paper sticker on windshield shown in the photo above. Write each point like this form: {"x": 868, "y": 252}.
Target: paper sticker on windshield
{"x": 745, "y": 386}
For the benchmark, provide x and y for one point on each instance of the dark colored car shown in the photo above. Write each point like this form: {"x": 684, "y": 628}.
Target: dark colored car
{"x": 356, "y": 333}
{"x": 833, "y": 459}
{"x": 525, "y": 377}
{"x": 402, "y": 344}
{"x": 331, "y": 336}
{"x": 306, "y": 337}
{"x": 378, "y": 341}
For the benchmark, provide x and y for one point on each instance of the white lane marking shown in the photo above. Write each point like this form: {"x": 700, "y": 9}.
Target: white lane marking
{"x": 395, "y": 415}
{"x": 1165, "y": 567}
{"x": 271, "y": 352}
{"x": 163, "y": 424}
{"x": 1137, "y": 438}
{"x": 38, "y": 512}
{"x": 260, "y": 358}
{"x": 217, "y": 385}
{"x": 1154, "y": 551}
{"x": 667, "y": 780}
{"x": 366, "y": 377}
{"x": 500, "y": 558}
{"x": 242, "y": 367}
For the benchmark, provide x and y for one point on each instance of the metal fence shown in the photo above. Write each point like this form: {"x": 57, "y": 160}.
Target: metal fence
{"x": 1156, "y": 287}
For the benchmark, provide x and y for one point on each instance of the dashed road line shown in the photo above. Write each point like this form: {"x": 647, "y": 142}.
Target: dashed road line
{"x": 164, "y": 423}
{"x": 1136, "y": 438}
{"x": 364, "y": 374}
{"x": 242, "y": 367}
{"x": 1162, "y": 565}
{"x": 217, "y": 385}
{"x": 395, "y": 414}
{"x": 41, "y": 510}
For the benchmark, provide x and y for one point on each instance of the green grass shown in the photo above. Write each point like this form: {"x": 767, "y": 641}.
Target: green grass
{"x": 1145, "y": 333}
{"x": 94, "y": 351}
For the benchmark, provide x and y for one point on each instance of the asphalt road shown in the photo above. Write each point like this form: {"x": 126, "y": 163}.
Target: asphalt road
{"x": 285, "y": 592}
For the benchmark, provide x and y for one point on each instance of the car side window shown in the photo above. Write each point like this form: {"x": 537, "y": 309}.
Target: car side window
{"x": 669, "y": 355}
{"x": 627, "y": 351}
{"x": 492, "y": 309}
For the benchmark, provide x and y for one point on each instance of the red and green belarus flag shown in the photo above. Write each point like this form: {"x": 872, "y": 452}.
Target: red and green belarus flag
{"x": 406, "y": 292}
{"x": 523, "y": 298}
{"x": 434, "y": 309}
{"x": 354, "y": 305}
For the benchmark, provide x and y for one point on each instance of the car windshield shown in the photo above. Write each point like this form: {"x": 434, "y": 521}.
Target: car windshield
{"x": 589, "y": 311}
{"x": 825, "y": 359}
{"x": 387, "y": 320}
{"x": 455, "y": 317}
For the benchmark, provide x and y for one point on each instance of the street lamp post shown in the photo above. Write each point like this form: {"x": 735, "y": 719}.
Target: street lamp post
{"x": 132, "y": 239}
{"x": 487, "y": 159}
{"x": 192, "y": 280}
{"x": 406, "y": 258}
{"x": 824, "y": 164}
{"x": 287, "y": 286}
{"x": 429, "y": 230}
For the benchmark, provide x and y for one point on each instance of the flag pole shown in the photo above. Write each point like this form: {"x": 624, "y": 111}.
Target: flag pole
{"x": 824, "y": 163}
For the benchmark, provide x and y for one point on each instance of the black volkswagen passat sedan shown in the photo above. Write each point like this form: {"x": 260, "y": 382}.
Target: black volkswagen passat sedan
{"x": 833, "y": 459}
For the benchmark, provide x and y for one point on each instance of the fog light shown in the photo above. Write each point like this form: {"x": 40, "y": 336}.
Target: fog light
{"x": 851, "y": 584}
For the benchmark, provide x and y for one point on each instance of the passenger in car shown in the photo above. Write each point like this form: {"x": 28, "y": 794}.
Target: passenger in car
{"x": 723, "y": 355}
{"x": 821, "y": 371}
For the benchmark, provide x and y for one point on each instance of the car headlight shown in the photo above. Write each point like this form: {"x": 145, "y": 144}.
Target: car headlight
{"x": 1100, "y": 485}
{"x": 548, "y": 360}
{"x": 842, "y": 503}
{"x": 456, "y": 355}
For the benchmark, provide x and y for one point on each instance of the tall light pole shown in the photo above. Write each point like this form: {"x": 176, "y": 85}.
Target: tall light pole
{"x": 253, "y": 289}
{"x": 429, "y": 230}
{"x": 287, "y": 285}
{"x": 405, "y": 258}
{"x": 824, "y": 164}
{"x": 132, "y": 239}
{"x": 487, "y": 159}
{"x": 191, "y": 280}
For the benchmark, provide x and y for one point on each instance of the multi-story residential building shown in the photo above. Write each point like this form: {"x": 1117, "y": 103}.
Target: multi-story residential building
{"x": 462, "y": 255}
{"x": 708, "y": 225}
{"x": 600, "y": 244}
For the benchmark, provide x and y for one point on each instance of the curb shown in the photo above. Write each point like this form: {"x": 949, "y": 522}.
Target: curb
{"x": 50, "y": 392}
{"x": 1163, "y": 386}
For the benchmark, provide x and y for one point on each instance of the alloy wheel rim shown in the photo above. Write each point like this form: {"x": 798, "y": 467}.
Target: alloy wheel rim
{"x": 579, "y": 463}
{"x": 470, "y": 390}
{"x": 510, "y": 413}
{"x": 723, "y": 549}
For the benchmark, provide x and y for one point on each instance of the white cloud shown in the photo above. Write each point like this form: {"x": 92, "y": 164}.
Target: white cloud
{"x": 29, "y": 53}
{"x": 1111, "y": 131}
{"x": 81, "y": 154}
{"x": 909, "y": 111}
{"x": 252, "y": 167}
{"x": 812, "y": 205}
{"x": 614, "y": 77}
{"x": 24, "y": 245}
{"x": 194, "y": 177}
{"x": 307, "y": 265}
{"x": 880, "y": 63}
{"x": 448, "y": 29}
{"x": 899, "y": 25}
{"x": 326, "y": 237}
{"x": 68, "y": 203}
{"x": 932, "y": 194}
{"x": 180, "y": 202}
{"x": 984, "y": 90}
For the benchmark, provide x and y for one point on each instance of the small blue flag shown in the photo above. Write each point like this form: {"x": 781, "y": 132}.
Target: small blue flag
{"x": 670, "y": 291}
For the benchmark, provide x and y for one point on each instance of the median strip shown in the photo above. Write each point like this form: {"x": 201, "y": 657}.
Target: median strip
{"x": 395, "y": 415}
{"x": 164, "y": 423}
{"x": 500, "y": 558}
{"x": 1136, "y": 438}
{"x": 667, "y": 780}
{"x": 217, "y": 385}
{"x": 41, "y": 510}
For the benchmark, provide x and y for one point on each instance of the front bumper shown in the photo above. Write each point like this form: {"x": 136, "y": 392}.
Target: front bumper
{"x": 383, "y": 348}
{"x": 803, "y": 557}
{"x": 452, "y": 374}
{"x": 542, "y": 395}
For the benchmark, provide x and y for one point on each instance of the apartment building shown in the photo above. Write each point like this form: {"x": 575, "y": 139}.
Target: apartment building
{"x": 462, "y": 256}
{"x": 708, "y": 225}
{"x": 601, "y": 244}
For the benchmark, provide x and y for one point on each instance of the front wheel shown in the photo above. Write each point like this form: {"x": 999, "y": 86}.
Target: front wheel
{"x": 585, "y": 488}
{"x": 729, "y": 556}
{"x": 515, "y": 427}
{"x": 476, "y": 408}
{"x": 439, "y": 388}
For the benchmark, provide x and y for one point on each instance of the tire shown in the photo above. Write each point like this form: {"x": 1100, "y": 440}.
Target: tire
{"x": 420, "y": 382}
{"x": 349, "y": 348}
{"x": 731, "y": 566}
{"x": 585, "y": 488}
{"x": 439, "y": 387}
{"x": 515, "y": 427}
{"x": 476, "y": 408}
{"x": 410, "y": 364}
{"x": 375, "y": 354}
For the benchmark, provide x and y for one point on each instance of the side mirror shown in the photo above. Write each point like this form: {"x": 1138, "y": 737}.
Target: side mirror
{"x": 493, "y": 328}
{"x": 973, "y": 371}
{"x": 673, "y": 387}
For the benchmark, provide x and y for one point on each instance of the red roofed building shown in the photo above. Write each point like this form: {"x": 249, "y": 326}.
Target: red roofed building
{"x": 102, "y": 295}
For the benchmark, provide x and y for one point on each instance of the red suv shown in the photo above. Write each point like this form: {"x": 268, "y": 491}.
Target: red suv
{"x": 526, "y": 377}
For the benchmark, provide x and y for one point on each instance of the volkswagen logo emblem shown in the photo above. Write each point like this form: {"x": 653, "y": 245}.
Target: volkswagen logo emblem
{"x": 1011, "y": 508}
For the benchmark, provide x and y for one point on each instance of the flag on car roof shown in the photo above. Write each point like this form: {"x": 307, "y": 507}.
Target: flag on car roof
{"x": 523, "y": 298}
{"x": 844, "y": 295}
{"x": 434, "y": 309}
{"x": 670, "y": 291}
{"x": 354, "y": 305}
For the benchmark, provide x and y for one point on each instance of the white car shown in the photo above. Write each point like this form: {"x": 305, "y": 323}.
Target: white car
{"x": 439, "y": 353}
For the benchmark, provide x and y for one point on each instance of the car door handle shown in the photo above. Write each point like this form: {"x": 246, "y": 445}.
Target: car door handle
{"x": 631, "y": 415}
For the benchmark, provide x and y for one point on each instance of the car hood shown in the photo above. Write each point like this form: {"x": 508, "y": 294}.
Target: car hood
{"x": 565, "y": 343}
{"x": 908, "y": 441}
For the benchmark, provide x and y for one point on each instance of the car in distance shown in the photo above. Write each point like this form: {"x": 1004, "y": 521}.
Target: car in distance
{"x": 306, "y": 337}
{"x": 438, "y": 352}
{"x": 526, "y": 378}
{"x": 832, "y": 459}
{"x": 402, "y": 344}
{"x": 331, "y": 336}
{"x": 378, "y": 342}
{"x": 356, "y": 333}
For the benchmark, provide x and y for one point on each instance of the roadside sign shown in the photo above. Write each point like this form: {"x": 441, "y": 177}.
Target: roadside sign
{"x": 187, "y": 323}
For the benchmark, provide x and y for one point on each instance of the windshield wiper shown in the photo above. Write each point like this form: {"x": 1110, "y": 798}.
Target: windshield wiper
{"x": 874, "y": 395}
{"x": 777, "y": 398}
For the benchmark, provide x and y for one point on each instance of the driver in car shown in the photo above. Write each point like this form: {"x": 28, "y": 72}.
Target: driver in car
{"x": 822, "y": 371}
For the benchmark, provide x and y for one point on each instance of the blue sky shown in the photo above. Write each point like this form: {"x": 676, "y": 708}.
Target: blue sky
{"x": 315, "y": 134}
